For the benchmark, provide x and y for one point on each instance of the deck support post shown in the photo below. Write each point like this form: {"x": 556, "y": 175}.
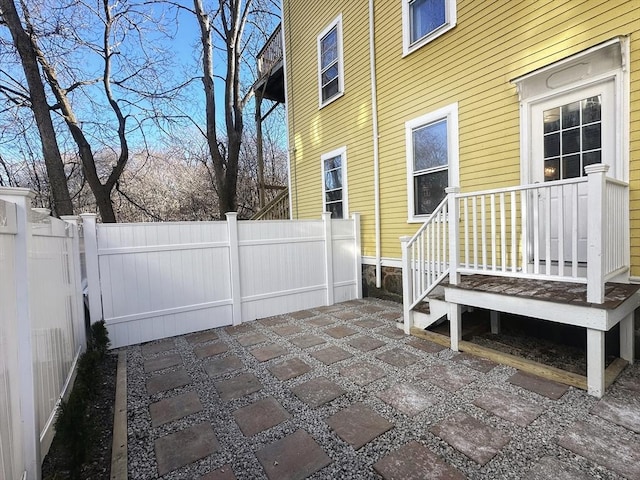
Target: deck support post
{"x": 407, "y": 285}
{"x": 626, "y": 338}
{"x": 595, "y": 362}
{"x": 495, "y": 322}
{"x": 596, "y": 182}
{"x": 455, "y": 325}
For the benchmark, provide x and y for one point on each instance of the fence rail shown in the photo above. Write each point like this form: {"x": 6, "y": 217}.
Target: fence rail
{"x": 42, "y": 328}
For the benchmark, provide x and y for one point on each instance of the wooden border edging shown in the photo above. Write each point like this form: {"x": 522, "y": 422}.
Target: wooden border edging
{"x": 119, "y": 448}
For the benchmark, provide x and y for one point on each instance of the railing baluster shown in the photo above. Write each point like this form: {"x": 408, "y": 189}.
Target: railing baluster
{"x": 445, "y": 238}
{"x": 561, "y": 232}
{"x": 574, "y": 229}
{"x": 547, "y": 230}
{"x": 466, "y": 232}
{"x": 536, "y": 232}
{"x": 524, "y": 219}
{"x": 484, "y": 232}
{"x": 514, "y": 252}
{"x": 475, "y": 232}
{"x": 503, "y": 233}
{"x": 492, "y": 198}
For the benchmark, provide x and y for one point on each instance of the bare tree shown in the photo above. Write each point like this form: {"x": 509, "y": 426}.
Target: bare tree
{"x": 36, "y": 98}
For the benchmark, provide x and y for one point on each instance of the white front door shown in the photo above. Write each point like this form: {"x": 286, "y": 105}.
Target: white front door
{"x": 568, "y": 132}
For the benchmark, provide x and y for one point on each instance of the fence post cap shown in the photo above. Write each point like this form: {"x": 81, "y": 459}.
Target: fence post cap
{"x": 18, "y": 192}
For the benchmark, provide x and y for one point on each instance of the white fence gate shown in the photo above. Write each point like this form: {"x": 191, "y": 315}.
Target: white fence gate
{"x": 158, "y": 280}
{"x": 42, "y": 328}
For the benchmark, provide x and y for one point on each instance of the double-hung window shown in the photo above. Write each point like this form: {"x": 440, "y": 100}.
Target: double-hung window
{"x": 334, "y": 185}
{"x": 432, "y": 159}
{"x": 330, "y": 72}
{"x": 424, "y": 20}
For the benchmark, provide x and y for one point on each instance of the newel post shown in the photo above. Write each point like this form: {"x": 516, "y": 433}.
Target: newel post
{"x": 596, "y": 205}
{"x": 90, "y": 236}
{"x": 454, "y": 241}
{"x": 234, "y": 267}
{"x": 328, "y": 256}
{"x": 407, "y": 285}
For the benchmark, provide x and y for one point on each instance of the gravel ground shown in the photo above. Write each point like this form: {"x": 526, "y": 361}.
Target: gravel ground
{"x": 527, "y": 446}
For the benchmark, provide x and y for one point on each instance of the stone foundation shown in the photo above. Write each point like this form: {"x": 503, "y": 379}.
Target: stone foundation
{"x": 391, "y": 283}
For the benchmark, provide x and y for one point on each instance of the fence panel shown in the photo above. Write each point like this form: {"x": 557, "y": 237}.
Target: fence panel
{"x": 55, "y": 319}
{"x": 159, "y": 280}
{"x": 163, "y": 279}
{"x": 11, "y": 454}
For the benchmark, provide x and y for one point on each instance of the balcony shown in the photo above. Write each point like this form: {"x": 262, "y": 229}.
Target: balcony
{"x": 270, "y": 83}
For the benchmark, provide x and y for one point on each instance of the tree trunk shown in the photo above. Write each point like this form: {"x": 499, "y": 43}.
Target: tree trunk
{"x": 53, "y": 160}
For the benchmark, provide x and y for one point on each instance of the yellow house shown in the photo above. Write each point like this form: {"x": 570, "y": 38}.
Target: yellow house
{"x": 521, "y": 119}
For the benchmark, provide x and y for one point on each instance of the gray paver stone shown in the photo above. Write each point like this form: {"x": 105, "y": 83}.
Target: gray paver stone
{"x": 476, "y": 440}
{"x": 289, "y": 369}
{"x": 302, "y": 314}
{"x": 202, "y": 337}
{"x": 223, "y": 473}
{"x": 259, "y": 416}
{"x": 346, "y": 315}
{"x": 510, "y": 407}
{"x": 168, "y": 381}
{"x": 268, "y": 352}
{"x": 321, "y": 321}
{"x": 317, "y": 392}
{"x": 363, "y": 373}
{"x": 286, "y": 330}
{"x": 174, "y": 408}
{"x": 307, "y": 340}
{"x": 425, "y": 345}
{"x": 152, "y": 348}
{"x": 358, "y": 424}
{"x": 271, "y": 321}
{"x": 447, "y": 377}
{"x": 294, "y": 457}
{"x": 604, "y": 447}
{"x": 393, "y": 333}
{"x": 368, "y": 323}
{"x": 366, "y": 343}
{"x": 220, "y": 366}
{"x": 414, "y": 461}
{"x": 370, "y": 309}
{"x": 409, "y": 399}
{"x": 340, "y": 331}
{"x": 331, "y": 355}
{"x": 541, "y": 386}
{"x": 398, "y": 357}
{"x": 239, "y": 329}
{"x": 621, "y": 411}
{"x": 393, "y": 316}
{"x": 554, "y": 468}
{"x": 239, "y": 386}
{"x": 252, "y": 338}
{"x": 184, "y": 447}
{"x": 162, "y": 362}
{"x": 329, "y": 308}
{"x": 477, "y": 363}
{"x": 210, "y": 349}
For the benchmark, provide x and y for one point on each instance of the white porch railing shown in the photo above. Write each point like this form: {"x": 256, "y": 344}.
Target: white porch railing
{"x": 568, "y": 231}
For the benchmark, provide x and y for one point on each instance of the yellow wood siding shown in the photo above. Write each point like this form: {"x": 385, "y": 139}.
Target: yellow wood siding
{"x": 472, "y": 64}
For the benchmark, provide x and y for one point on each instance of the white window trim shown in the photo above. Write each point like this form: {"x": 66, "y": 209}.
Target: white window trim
{"x": 450, "y": 113}
{"x": 342, "y": 152}
{"x": 536, "y": 87}
{"x": 337, "y": 23}
{"x": 407, "y": 46}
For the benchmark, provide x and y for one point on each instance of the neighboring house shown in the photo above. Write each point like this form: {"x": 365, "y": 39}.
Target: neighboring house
{"x": 391, "y": 102}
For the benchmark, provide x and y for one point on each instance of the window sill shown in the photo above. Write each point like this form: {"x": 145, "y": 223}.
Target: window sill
{"x": 330, "y": 101}
{"x": 409, "y": 49}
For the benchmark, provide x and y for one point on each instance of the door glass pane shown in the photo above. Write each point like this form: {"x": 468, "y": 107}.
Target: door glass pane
{"x": 572, "y": 138}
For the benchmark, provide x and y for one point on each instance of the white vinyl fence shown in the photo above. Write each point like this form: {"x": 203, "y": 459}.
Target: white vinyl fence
{"x": 157, "y": 280}
{"x": 41, "y": 328}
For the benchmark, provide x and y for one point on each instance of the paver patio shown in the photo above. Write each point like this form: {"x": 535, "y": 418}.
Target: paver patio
{"x": 341, "y": 392}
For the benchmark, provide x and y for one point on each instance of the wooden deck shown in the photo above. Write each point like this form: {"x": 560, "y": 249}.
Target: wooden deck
{"x": 558, "y": 302}
{"x": 558, "y": 292}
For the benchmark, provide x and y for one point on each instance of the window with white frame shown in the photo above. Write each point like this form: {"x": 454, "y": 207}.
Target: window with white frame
{"x": 334, "y": 184}
{"x": 425, "y": 20}
{"x": 432, "y": 159}
{"x": 330, "y": 73}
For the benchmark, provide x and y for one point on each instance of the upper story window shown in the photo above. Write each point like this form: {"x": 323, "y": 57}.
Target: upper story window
{"x": 432, "y": 159}
{"x": 334, "y": 185}
{"x": 425, "y": 20}
{"x": 330, "y": 72}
